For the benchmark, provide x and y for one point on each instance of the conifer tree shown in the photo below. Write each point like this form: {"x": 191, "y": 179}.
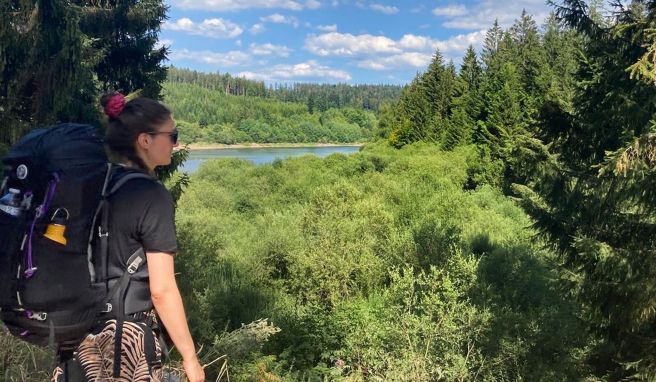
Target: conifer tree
{"x": 437, "y": 85}
{"x": 491, "y": 44}
{"x": 46, "y": 75}
{"x": 470, "y": 71}
{"x": 470, "y": 79}
{"x": 529, "y": 56}
{"x": 17, "y": 30}
{"x": 458, "y": 129}
{"x": 412, "y": 123}
{"x": 125, "y": 35}
{"x": 590, "y": 191}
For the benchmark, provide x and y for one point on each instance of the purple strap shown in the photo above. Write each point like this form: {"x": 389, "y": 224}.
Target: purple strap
{"x": 40, "y": 210}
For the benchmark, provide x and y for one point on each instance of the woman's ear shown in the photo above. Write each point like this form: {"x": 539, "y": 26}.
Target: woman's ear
{"x": 143, "y": 141}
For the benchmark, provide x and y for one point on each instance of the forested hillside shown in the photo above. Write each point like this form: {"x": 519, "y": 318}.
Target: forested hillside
{"x": 214, "y": 108}
{"x": 211, "y": 116}
{"x": 316, "y": 97}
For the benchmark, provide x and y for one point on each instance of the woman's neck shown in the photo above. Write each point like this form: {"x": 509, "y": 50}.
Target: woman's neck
{"x": 129, "y": 164}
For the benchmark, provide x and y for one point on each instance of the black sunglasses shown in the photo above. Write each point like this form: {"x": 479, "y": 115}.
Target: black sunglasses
{"x": 172, "y": 134}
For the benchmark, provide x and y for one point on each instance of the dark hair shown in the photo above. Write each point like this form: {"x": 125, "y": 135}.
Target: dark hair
{"x": 140, "y": 115}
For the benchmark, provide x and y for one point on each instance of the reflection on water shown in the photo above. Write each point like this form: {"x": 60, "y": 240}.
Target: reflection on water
{"x": 262, "y": 155}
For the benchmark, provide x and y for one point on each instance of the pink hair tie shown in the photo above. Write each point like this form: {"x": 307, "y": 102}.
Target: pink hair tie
{"x": 115, "y": 105}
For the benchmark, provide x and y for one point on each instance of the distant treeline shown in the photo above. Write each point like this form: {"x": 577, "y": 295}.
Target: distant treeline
{"x": 211, "y": 116}
{"x": 316, "y": 97}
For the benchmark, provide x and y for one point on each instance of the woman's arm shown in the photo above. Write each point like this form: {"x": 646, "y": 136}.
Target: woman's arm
{"x": 168, "y": 304}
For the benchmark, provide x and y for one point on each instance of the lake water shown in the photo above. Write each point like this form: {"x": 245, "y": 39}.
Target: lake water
{"x": 262, "y": 155}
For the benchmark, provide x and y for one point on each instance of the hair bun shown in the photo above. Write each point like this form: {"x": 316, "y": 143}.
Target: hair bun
{"x": 114, "y": 105}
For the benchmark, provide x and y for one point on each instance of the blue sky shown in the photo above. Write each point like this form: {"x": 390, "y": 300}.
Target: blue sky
{"x": 330, "y": 41}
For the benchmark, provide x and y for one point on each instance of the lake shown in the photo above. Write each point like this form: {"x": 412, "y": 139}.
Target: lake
{"x": 261, "y": 155}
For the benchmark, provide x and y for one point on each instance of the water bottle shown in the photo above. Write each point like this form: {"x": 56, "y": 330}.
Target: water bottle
{"x": 10, "y": 203}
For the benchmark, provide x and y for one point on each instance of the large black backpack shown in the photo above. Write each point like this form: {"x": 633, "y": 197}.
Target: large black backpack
{"x": 52, "y": 226}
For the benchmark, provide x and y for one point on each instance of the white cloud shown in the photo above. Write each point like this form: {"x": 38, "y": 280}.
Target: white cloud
{"x": 215, "y": 28}
{"x": 256, "y": 28}
{"x": 235, "y": 5}
{"x": 312, "y": 4}
{"x": 404, "y": 60}
{"x": 482, "y": 13}
{"x": 413, "y": 42}
{"x": 450, "y": 11}
{"x": 309, "y": 70}
{"x": 269, "y": 49}
{"x": 222, "y": 59}
{"x": 238, "y": 42}
{"x": 383, "y": 53}
{"x": 459, "y": 43}
{"x": 346, "y": 44}
{"x": 455, "y": 44}
{"x": 277, "y": 18}
{"x": 386, "y": 9}
{"x": 327, "y": 28}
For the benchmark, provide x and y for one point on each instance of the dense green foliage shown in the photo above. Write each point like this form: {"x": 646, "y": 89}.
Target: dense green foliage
{"x": 564, "y": 119}
{"x": 223, "y": 118}
{"x": 376, "y": 266}
{"x": 56, "y": 55}
{"x": 125, "y": 34}
{"x": 591, "y": 189}
{"x": 316, "y": 97}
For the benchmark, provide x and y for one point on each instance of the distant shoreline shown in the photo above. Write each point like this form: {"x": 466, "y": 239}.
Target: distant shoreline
{"x": 218, "y": 146}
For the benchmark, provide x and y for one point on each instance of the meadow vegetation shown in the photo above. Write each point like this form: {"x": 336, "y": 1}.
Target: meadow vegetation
{"x": 375, "y": 266}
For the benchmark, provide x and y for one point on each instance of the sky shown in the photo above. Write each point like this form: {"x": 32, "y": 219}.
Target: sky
{"x": 330, "y": 41}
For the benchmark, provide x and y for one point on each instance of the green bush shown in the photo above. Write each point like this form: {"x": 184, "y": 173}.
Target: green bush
{"x": 381, "y": 265}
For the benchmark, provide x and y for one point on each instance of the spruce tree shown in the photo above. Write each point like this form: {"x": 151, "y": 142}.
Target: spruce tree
{"x": 125, "y": 35}
{"x": 437, "y": 86}
{"x": 470, "y": 70}
{"x": 590, "y": 190}
{"x": 468, "y": 90}
{"x": 413, "y": 116}
{"x": 491, "y": 44}
{"x": 529, "y": 56}
{"x": 46, "y": 76}
{"x": 17, "y": 31}
{"x": 458, "y": 129}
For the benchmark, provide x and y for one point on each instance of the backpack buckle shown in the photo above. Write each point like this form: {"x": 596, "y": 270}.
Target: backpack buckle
{"x": 102, "y": 234}
{"x": 108, "y": 308}
{"x": 134, "y": 265}
{"x": 39, "y": 316}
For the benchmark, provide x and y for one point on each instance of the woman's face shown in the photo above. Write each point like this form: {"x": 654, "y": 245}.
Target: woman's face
{"x": 157, "y": 147}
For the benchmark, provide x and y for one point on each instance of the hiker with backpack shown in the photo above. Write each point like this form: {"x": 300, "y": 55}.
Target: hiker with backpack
{"x": 86, "y": 246}
{"x": 142, "y": 134}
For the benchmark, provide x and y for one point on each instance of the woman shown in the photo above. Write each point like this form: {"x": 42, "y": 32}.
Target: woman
{"x": 142, "y": 134}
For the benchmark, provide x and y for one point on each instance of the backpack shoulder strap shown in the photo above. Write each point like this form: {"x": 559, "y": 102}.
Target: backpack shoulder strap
{"x": 103, "y": 228}
{"x": 126, "y": 178}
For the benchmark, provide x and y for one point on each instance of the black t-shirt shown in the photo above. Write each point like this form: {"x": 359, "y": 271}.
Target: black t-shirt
{"x": 141, "y": 216}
